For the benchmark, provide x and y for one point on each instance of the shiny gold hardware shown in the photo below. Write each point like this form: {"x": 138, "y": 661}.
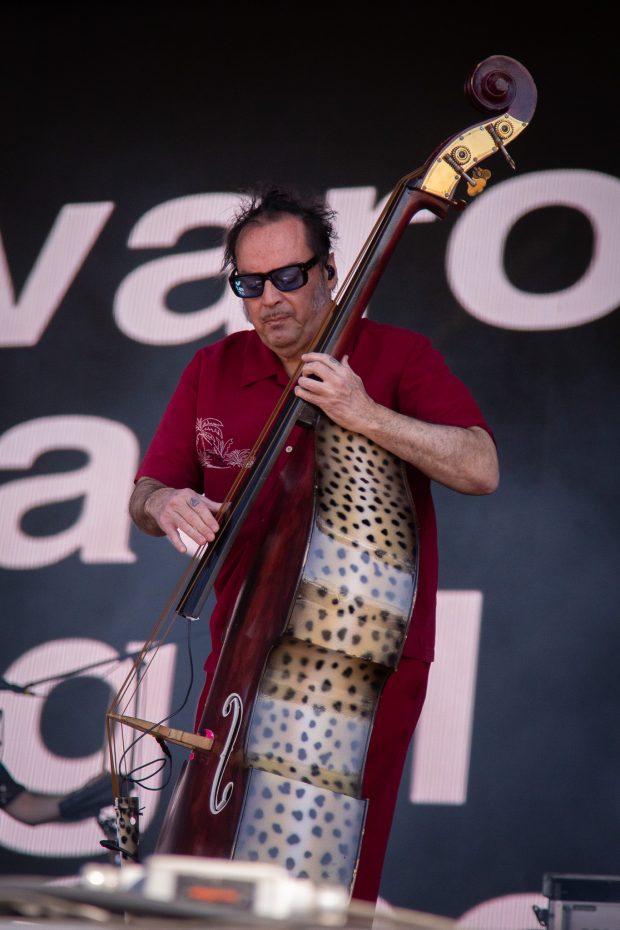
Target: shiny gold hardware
{"x": 479, "y": 142}
{"x": 461, "y": 154}
{"x": 454, "y": 164}
{"x": 480, "y": 176}
{"x": 499, "y": 131}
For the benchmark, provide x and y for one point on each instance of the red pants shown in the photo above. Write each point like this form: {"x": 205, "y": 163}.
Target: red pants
{"x": 396, "y": 718}
{"x": 397, "y": 715}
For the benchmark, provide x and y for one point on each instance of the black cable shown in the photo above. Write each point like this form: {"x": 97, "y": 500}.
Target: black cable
{"x": 75, "y": 673}
{"x": 130, "y": 775}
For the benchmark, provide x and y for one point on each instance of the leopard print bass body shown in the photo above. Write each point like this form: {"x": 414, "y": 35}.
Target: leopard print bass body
{"x": 313, "y": 715}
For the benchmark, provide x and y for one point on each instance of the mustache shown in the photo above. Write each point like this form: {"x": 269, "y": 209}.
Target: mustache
{"x": 275, "y": 315}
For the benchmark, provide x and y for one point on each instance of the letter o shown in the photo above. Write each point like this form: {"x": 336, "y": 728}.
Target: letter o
{"x": 474, "y": 257}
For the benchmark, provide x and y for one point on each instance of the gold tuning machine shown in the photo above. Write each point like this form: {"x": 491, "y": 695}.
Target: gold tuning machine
{"x": 479, "y": 178}
{"x": 476, "y": 178}
{"x": 451, "y": 160}
{"x": 499, "y": 131}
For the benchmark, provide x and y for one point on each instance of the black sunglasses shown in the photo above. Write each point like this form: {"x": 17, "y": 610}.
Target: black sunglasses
{"x": 288, "y": 278}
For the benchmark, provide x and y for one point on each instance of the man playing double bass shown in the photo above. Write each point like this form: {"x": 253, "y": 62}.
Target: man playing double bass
{"x": 392, "y": 387}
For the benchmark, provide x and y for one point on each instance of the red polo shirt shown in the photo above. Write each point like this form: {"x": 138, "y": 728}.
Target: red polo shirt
{"x": 228, "y": 391}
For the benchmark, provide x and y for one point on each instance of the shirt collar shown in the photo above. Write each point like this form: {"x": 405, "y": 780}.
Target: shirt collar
{"x": 260, "y": 362}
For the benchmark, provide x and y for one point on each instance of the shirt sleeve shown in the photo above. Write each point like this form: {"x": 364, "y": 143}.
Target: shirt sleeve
{"x": 171, "y": 455}
{"x": 429, "y": 391}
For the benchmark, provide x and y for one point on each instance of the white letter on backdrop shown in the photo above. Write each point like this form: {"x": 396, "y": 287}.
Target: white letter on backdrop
{"x": 510, "y": 912}
{"x": 442, "y": 743}
{"x": 30, "y": 761}
{"x": 101, "y": 533}
{"x": 140, "y": 306}
{"x": 72, "y": 237}
{"x": 475, "y": 254}
{"x": 357, "y": 212}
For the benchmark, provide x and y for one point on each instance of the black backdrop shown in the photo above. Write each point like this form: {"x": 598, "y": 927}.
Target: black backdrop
{"x": 131, "y": 111}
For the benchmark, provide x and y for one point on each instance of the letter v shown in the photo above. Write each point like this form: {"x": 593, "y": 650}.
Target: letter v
{"x": 72, "y": 237}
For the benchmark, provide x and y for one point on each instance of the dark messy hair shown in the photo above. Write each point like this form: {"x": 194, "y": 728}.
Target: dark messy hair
{"x": 268, "y": 203}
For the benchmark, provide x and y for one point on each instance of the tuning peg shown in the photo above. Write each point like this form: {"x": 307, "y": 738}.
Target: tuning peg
{"x": 496, "y": 130}
{"x": 454, "y": 164}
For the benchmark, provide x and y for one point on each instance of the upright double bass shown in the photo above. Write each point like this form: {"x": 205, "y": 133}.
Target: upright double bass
{"x": 275, "y": 770}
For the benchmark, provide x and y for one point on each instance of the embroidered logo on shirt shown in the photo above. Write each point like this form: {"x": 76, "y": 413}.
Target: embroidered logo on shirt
{"x": 213, "y": 451}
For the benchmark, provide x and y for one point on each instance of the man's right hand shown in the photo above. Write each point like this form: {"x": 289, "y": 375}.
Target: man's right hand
{"x": 160, "y": 510}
